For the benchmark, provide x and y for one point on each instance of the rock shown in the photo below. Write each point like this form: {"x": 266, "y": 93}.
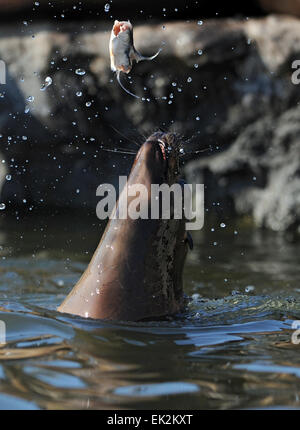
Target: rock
{"x": 256, "y": 170}
{"x": 52, "y": 138}
{"x": 291, "y": 7}
{"x": 14, "y": 5}
{"x": 259, "y": 174}
{"x": 223, "y": 84}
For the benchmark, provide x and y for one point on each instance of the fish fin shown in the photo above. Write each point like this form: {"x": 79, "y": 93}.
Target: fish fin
{"x": 122, "y": 86}
{"x": 135, "y": 55}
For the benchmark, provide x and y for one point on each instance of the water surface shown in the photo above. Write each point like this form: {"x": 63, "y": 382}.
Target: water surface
{"x": 231, "y": 348}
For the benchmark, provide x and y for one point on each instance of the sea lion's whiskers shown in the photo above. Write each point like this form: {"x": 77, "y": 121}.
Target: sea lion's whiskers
{"x": 193, "y": 140}
{"x": 125, "y": 137}
{"x": 143, "y": 137}
{"x": 194, "y": 152}
{"x": 118, "y": 151}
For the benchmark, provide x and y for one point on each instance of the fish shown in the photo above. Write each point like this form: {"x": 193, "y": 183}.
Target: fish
{"x": 122, "y": 51}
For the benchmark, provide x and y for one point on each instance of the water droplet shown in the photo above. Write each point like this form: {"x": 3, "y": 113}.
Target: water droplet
{"x": 80, "y": 72}
{"x": 30, "y": 99}
{"x": 189, "y": 79}
{"x": 200, "y": 22}
{"x": 24, "y": 137}
{"x": 200, "y": 52}
{"x": 235, "y": 292}
{"x": 106, "y": 7}
{"x": 8, "y": 177}
{"x": 197, "y": 118}
{"x": 249, "y": 289}
{"x": 26, "y": 109}
{"x": 88, "y": 104}
{"x": 48, "y": 82}
{"x": 79, "y": 94}
{"x": 222, "y": 225}
{"x": 36, "y": 3}
{"x": 2, "y": 206}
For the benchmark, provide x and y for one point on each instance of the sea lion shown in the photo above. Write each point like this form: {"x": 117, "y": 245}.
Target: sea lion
{"x": 136, "y": 271}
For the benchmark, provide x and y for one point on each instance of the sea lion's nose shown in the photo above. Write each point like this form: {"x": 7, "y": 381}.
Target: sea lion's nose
{"x": 153, "y": 152}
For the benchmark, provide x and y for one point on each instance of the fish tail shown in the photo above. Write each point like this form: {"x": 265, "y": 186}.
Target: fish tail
{"x": 139, "y": 57}
{"x": 122, "y": 86}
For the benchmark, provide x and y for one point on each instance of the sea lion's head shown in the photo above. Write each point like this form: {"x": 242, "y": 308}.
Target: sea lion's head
{"x": 136, "y": 271}
{"x": 157, "y": 161}
{"x": 162, "y": 150}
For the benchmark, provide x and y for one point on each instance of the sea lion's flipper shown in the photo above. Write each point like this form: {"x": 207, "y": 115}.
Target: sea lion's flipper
{"x": 135, "y": 55}
{"x": 122, "y": 86}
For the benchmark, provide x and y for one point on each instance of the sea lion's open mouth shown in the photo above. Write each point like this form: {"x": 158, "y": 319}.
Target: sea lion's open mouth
{"x": 169, "y": 149}
{"x": 163, "y": 148}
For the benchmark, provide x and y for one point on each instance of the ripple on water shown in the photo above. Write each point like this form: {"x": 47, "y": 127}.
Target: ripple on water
{"x": 161, "y": 389}
{"x": 222, "y": 353}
